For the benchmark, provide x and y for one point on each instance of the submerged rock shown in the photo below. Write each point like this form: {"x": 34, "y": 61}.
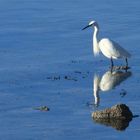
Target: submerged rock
{"x": 117, "y": 116}
{"x": 42, "y": 108}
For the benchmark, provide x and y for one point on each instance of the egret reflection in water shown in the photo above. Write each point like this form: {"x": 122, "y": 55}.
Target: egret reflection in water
{"x": 107, "y": 82}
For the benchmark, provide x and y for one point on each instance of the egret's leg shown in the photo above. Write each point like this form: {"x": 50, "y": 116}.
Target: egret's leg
{"x": 126, "y": 62}
{"x": 112, "y": 62}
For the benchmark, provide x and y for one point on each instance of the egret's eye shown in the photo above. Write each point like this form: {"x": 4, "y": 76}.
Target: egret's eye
{"x": 96, "y": 24}
{"x": 91, "y": 23}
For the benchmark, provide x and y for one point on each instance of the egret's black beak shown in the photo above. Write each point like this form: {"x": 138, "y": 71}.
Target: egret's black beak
{"x": 86, "y": 27}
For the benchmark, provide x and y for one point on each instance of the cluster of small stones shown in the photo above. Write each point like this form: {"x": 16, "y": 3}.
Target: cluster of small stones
{"x": 120, "y": 68}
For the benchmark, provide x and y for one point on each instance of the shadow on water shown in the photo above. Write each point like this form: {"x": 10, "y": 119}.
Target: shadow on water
{"x": 108, "y": 81}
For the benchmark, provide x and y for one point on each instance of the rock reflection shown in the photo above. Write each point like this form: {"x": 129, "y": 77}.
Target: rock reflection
{"x": 118, "y": 124}
{"x": 107, "y": 82}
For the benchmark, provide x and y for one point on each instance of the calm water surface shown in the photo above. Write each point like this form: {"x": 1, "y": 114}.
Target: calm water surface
{"x": 45, "y": 59}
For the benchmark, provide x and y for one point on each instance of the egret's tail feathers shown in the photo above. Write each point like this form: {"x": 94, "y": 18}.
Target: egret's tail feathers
{"x": 125, "y": 54}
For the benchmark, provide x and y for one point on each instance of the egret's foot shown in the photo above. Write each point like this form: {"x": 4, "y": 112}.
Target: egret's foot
{"x": 119, "y": 68}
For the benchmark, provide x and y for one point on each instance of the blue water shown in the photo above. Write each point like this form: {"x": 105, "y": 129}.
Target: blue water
{"x": 42, "y": 39}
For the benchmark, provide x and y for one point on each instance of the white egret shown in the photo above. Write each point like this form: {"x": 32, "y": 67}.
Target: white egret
{"x": 109, "y": 48}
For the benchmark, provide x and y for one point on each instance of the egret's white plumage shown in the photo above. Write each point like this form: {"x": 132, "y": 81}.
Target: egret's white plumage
{"x": 109, "y": 48}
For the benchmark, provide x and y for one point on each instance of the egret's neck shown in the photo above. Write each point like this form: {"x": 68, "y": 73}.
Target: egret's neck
{"x": 96, "y": 30}
{"x": 96, "y": 49}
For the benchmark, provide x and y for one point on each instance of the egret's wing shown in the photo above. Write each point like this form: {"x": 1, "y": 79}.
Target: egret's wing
{"x": 121, "y": 51}
{"x": 113, "y": 49}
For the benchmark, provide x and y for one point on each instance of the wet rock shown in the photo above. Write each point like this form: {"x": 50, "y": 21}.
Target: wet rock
{"x": 79, "y": 72}
{"x": 75, "y": 61}
{"x": 123, "y": 93}
{"x": 42, "y": 108}
{"x": 53, "y": 78}
{"x": 117, "y": 116}
{"x": 70, "y": 78}
{"x": 120, "y": 111}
